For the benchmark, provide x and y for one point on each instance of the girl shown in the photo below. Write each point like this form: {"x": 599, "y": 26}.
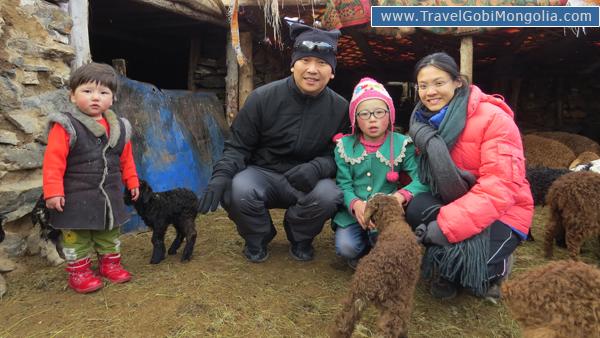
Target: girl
{"x": 472, "y": 157}
{"x": 367, "y": 165}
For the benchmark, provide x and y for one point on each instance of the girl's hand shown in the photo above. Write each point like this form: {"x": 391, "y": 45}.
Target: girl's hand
{"x": 56, "y": 202}
{"x": 400, "y": 197}
{"x": 135, "y": 193}
{"x": 359, "y": 212}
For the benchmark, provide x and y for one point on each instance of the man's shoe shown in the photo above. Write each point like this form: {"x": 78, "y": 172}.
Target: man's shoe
{"x": 353, "y": 263}
{"x": 302, "y": 252}
{"x": 254, "y": 256}
{"x": 441, "y": 288}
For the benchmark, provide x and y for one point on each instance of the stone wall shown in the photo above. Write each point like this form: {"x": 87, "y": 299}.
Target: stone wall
{"x": 35, "y": 61}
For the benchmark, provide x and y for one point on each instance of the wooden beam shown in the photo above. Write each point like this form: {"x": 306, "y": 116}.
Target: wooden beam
{"x": 195, "y": 54}
{"x": 80, "y": 37}
{"x": 250, "y": 3}
{"x": 466, "y": 56}
{"x": 367, "y": 51}
{"x": 231, "y": 82}
{"x": 120, "y": 66}
{"x": 215, "y": 19}
{"x": 559, "y": 101}
{"x": 246, "y": 75}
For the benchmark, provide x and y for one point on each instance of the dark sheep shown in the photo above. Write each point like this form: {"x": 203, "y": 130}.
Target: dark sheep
{"x": 540, "y": 180}
{"x": 2, "y": 234}
{"x": 159, "y": 209}
{"x": 41, "y": 215}
{"x": 387, "y": 276}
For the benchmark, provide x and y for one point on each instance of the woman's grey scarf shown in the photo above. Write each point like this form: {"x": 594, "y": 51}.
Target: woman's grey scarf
{"x": 464, "y": 262}
{"x": 436, "y": 167}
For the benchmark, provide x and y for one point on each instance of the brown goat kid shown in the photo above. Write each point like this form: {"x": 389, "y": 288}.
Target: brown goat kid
{"x": 574, "y": 203}
{"x": 556, "y": 300}
{"x": 387, "y": 276}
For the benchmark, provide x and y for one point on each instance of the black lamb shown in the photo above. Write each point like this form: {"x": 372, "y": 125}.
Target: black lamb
{"x": 540, "y": 179}
{"x": 159, "y": 209}
{"x": 2, "y": 234}
{"x": 41, "y": 215}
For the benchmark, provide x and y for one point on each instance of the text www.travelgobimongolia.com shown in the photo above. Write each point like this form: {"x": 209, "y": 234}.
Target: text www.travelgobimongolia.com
{"x": 476, "y": 16}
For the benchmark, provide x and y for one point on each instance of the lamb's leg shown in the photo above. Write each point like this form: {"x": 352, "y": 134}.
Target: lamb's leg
{"x": 190, "y": 239}
{"x": 393, "y": 318}
{"x": 158, "y": 241}
{"x": 346, "y": 318}
{"x": 574, "y": 243}
{"x": 551, "y": 231}
{"x": 178, "y": 240}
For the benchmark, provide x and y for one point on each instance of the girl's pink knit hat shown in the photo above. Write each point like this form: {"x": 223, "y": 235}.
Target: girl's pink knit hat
{"x": 367, "y": 89}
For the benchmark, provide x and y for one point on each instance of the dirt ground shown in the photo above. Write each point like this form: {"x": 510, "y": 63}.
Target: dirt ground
{"x": 219, "y": 294}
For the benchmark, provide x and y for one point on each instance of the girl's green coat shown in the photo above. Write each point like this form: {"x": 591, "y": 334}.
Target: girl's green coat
{"x": 360, "y": 175}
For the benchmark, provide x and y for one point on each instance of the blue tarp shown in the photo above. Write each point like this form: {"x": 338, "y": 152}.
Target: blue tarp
{"x": 177, "y": 136}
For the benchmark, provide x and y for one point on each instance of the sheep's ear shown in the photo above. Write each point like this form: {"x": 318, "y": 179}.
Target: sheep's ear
{"x": 146, "y": 196}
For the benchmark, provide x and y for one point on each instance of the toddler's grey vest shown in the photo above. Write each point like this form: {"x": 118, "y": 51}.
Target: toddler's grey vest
{"x": 92, "y": 180}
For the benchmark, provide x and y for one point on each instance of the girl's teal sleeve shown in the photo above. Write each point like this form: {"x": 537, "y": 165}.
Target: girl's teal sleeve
{"x": 344, "y": 179}
{"x": 409, "y": 165}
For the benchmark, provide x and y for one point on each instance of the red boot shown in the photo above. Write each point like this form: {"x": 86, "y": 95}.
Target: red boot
{"x": 109, "y": 266}
{"x": 81, "y": 277}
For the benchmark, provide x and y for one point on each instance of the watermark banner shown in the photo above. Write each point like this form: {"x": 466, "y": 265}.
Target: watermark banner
{"x": 485, "y": 16}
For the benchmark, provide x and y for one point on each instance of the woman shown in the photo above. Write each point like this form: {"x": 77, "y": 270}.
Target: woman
{"x": 480, "y": 206}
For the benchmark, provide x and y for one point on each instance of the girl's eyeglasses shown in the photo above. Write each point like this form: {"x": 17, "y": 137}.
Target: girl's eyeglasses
{"x": 378, "y": 113}
{"x": 437, "y": 84}
{"x": 309, "y": 46}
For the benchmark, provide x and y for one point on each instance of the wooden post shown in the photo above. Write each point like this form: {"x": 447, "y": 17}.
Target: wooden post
{"x": 246, "y": 75}
{"x": 195, "y": 53}
{"x": 119, "y": 66}
{"x": 80, "y": 37}
{"x": 231, "y": 82}
{"x": 559, "y": 101}
{"x": 466, "y": 56}
{"x": 513, "y": 101}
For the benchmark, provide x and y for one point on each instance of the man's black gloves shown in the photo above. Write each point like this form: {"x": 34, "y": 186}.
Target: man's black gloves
{"x": 304, "y": 177}
{"x": 431, "y": 234}
{"x": 217, "y": 188}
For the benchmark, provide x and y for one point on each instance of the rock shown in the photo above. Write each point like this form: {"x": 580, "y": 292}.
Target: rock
{"x": 31, "y": 156}
{"x": 18, "y": 199}
{"x": 26, "y": 123}
{"x": 50, "y": 102}
{"x": 6, "y": 265}
{"x": 13, "y": 245}
{"x": 10, "y": 93}
{"x": 30, "y": 78}
{"x": 8, "y": 137}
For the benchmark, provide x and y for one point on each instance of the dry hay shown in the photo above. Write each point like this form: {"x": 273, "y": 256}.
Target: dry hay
{"x": 219, "y": 294}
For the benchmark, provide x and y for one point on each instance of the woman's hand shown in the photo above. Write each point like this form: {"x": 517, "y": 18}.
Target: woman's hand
{"x": 56, "y": 202}
{"x": 359, "y": 211}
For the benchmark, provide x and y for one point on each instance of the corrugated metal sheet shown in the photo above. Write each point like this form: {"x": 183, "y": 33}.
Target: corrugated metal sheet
{"x": 177, "y": 136}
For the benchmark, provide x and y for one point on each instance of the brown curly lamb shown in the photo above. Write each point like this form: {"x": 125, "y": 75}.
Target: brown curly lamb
{"x": 574, "y": 204}
{"x": 544, "y": 152}
{"x": 557, "y": 300}
{"x": 387, "y": 276}
{"x": 577, "y": 143}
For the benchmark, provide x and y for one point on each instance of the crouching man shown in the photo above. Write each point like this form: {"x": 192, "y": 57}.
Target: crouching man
{"x": 280, "y": 152}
